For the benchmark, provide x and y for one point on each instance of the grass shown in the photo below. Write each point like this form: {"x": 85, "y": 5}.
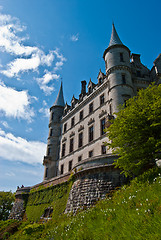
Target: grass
{"x": 132, "y": 212}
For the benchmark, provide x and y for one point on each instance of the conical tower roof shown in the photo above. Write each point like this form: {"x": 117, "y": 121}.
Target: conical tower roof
{"x": 60, "y": 98}
{"x": 114, "y": 37}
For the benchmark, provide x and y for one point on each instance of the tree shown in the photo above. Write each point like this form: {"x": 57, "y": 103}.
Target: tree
{"x": 135, "y": 134}
{"x": 6, "y": 203}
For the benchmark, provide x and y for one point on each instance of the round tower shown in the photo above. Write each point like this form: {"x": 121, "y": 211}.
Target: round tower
{"x": 52, "y": 154}
{"x": 118, "y": 72}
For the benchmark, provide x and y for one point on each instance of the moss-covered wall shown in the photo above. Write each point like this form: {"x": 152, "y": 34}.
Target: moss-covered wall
{"x": 40, "y": 199}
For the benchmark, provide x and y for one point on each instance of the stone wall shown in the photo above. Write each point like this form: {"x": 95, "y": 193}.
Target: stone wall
{"x": 18, "y": 210}
{"x": 92, "y": 185}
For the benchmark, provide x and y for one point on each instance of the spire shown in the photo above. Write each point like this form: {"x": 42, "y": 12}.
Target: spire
{"x": 114, "y": 37}
{"x": 60, "y": 98}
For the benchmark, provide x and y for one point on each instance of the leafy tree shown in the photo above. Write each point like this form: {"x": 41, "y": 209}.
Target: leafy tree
{"x": 6, "y": 203}
{"x": 135, "y": 134}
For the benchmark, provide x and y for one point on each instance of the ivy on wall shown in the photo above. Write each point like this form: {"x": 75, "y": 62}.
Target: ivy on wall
{"x": 54, "y": 196}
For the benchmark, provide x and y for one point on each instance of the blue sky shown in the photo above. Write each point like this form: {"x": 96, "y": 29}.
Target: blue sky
{"x": 44, "y": 41}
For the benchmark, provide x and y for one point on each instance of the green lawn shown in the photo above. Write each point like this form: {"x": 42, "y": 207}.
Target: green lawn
{"x": 132, "y": 212}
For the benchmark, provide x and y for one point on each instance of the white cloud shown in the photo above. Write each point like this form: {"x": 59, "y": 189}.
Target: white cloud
{"x": 19, "y": 149}
{"x": 61, "y": 61}
{"x": 74, "y": 38}
{"x": 45, "y": 112}
{"x": 5, "y": 124}
{"x": 29, "y": 130}
{"x": 15, "y": 103}
{"x": 9, "y": 40}
{"x": 46, "y": 79}
{"x": 13, "y": 44}
{"x": 45, "y": 109}
{"x": 25, "y": 64}
{"x": 27, "y": 58}
{"x": 10, "y": 174}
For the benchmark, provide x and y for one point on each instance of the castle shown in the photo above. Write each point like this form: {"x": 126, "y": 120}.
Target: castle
{"x": 76, "y": 132}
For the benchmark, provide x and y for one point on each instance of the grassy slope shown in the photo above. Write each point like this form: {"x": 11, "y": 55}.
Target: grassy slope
{"x": 133, "y": 212}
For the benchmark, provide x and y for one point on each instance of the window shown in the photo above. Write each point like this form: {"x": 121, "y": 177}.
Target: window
{"x": 70, "y": 165}
{"x": 89, "y": 90}
{"x": 110, "y": 109}
{"x": 102, "y": 126}
{"x": 71, "y": 145}
{"x": 80, "y": 139}
{"x": 52, "y": 116}
{"x": 90, "y": 107}
{"x": 72, "y": 122}
{"x": 90, "y": 154}
{"x": 123, "y": 79}
{"x": 106, "y": 64}
{"x": 62, "y": 169}
{"x": 103, "y": 149}
{"x": 102, "y": 99}
{"x": 51, "y": 132}
{"x": 49, "y": 151}
{"x": 90, "y": 134}
{"x": 72, "y": 104}
{"x": 121, "y": 57}
{"x": 46, "y": 173}
{"x": 100, "y": 80}
{"x": 81, "y": 115}
{"x": 138, "y": 74}
{"x": 63, "y": 150}
{"x": 65, "y": 127}
{"x": 79, "y": 158}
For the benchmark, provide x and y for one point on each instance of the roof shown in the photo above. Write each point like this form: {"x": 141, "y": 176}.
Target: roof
{"x": 60, "y": 98}
{"x": 114, "y": 37}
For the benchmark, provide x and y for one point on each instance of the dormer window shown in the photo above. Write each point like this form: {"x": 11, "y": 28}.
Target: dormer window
{"x": 72, "y": 122}
{"x": 89, "y": 90}
{"x": 121, "y": 57}
{"x": 72, "y": 104}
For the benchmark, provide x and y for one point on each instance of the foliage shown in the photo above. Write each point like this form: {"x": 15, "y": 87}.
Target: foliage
{"x": 30, "y": 228}
{"x": 55, "y": 197}
{"x": 6, "y": 203}
{"x": 7, "y": 228}
{"x": 135, "y": 134}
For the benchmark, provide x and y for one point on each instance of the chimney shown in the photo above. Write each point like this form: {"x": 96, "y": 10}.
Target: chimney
{"x": 83, "y": 90}
{"x": 135, "y": 58}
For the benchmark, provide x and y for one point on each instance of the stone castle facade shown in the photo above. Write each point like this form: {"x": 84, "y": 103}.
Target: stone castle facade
{"x": 76, "y": 131}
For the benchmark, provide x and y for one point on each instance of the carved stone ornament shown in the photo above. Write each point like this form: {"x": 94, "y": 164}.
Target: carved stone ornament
{"x": 102, "y": 113}
{"x": 91, "y": 121}
{"x": 72, "y": 134}
{"x": 80, "y": 128}
{"x": 64, "y": 139}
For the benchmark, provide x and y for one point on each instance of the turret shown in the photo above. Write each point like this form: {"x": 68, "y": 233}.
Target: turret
{"x": 52, "y": 154}
{"x": 118, "y": 72}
